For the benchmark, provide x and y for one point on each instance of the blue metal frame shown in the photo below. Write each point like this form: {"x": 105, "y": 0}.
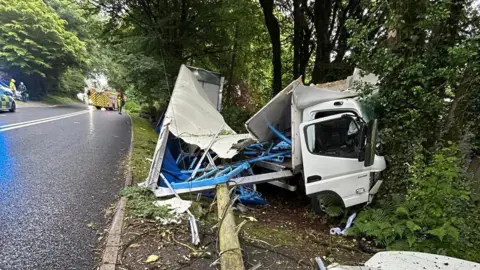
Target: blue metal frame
{"x": 280, "y": 135}
{"x": 215, "y": 180}
{"x": 274, "y": 151}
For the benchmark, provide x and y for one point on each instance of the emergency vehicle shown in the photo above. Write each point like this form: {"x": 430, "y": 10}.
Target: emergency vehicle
{"x": 106, "y": 99}
{"x": 7, "y": 102}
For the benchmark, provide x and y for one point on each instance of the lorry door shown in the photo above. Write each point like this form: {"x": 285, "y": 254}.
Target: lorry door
{"x": 330, "y": 158}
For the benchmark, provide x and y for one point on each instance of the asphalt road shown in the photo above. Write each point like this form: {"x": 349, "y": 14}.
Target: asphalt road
{"x": 56, "y": 178}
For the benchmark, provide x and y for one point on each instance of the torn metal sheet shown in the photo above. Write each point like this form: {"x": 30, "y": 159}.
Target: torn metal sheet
{"x": 306, "y": 96}
{"x": 224, "y": 145}
{"x": 350, "y": 82}
{"x": 276, "y": 113}
{"x": 192, "y": 117}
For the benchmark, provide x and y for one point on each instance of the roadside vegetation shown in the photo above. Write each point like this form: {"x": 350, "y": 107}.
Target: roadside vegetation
{"x": 140, "y": 203}
{"x": 59, "y": 99}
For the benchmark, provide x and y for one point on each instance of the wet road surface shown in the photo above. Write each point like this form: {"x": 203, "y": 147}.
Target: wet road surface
{"x": 56, "y": 177}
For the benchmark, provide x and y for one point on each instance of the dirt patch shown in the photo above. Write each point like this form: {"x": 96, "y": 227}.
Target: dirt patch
{"x": 284, "y": 234}
{"x": 171, "y": 243}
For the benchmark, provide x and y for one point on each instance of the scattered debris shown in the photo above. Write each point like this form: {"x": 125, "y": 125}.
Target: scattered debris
{"x": 240, "y": 207}
{"x": 320, "y": 264}
{"x": 257, "y": 266}
{"x": 176, "y": 205}
{"x": 152, "y": 258}
{"x": 252, "y": 219}
{"x": 191, "y": 218}
{"x": 339, "y": 231}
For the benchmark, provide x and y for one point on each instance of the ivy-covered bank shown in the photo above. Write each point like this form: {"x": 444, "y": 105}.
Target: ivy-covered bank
{"x": 427, "y": 57}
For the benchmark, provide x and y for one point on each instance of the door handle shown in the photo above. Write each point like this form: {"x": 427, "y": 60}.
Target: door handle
{"x": 360, "y": 190}
{"x": 313, "y": 178}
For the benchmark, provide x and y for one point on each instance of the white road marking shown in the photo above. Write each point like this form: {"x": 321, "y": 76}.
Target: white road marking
{"x": 40, "y": 121}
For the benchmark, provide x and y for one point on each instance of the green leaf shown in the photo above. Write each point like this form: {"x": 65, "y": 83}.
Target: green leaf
{"x": 411, "y": 239}
{"x": 402, "y": 210}
{"x": 439, "y": 232}
{"x": 452, "y": 231}
{"x": 412, "y": 226}
{"x": 399, "y": 229}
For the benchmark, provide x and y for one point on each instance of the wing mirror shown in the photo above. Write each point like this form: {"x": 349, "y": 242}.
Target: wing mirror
{"x": 368, "y": 142}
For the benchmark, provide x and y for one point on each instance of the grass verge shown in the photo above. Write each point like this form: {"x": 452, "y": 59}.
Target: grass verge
{"x": 144, "y": 142}
{"x": 59, "y": 99}
{"x": 140, "y": 200}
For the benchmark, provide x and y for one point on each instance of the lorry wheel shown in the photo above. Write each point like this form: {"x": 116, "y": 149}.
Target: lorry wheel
{"x": 98, "y": 107}
{"x": 327, "y": 203}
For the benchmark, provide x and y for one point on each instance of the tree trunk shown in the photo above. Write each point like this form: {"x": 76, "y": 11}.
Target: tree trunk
{"x": 322, "y": 12}
{"x": 297, "y": 38}
{"x": 230, "y": 91}
{"x": 230, "y": 251}
{"x": 234, "y": 55}
{"x": 273, "y": 28}
{"x": 301, "y": 39}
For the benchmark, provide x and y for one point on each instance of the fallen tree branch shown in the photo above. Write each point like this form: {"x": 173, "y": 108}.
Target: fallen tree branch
{"x": 182, "y": 244}
{"x": 239, "y": 227}
{"x": 260, "y": 241}
{"x": 230, "y": 251}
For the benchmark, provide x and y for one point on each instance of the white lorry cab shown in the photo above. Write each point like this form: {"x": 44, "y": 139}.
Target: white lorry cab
{"x": 334, "y": 144}
{"x": 317, "y": 140}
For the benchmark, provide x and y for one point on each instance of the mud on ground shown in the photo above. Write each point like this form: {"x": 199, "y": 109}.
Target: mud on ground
{"x": 284, "y": 234}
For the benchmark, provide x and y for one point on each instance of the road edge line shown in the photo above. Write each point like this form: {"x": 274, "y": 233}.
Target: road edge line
{"x": 114, "y": 242}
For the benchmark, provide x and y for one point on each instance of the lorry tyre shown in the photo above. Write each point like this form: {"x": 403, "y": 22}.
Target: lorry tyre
{"x": 327, "y": 203}
{"x": 98, "y": 107}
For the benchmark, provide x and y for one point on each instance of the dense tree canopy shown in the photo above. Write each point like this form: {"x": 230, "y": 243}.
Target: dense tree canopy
{"x": 35, "y": 39}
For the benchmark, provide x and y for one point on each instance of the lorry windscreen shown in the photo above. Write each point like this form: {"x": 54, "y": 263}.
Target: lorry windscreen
{"x": 329, "y": 113}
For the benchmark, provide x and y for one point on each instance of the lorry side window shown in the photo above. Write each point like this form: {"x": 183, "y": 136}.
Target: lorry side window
{"x": 336, "y": 138}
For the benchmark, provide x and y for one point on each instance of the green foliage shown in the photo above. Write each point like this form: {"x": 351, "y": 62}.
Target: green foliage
{"x": 421, "y": 61}
{"x": 35, "y": 39}
{"x": 132, "y": 107}
{"x": 432, "y": 216}
{"x": 140, "y": 203}
{"x": 72, "y": 81}
{"x": 236, "y": 118}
